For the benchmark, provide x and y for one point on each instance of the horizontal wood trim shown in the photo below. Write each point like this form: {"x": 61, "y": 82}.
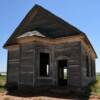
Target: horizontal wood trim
{"x": 12, "y": 47}
{"x": 48, "y": 40}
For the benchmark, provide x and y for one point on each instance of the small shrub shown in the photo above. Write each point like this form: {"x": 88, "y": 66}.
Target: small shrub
{"x": 95, "y": 87}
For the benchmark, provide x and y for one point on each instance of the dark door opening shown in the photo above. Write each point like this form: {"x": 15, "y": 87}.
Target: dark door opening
{"x": 62, "y": 72}
{"x": 44, "y": 64}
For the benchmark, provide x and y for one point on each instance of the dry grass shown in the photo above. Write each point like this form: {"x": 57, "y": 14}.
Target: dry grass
{"x": 95, "y": 88}
{"x": 2, "y": 83}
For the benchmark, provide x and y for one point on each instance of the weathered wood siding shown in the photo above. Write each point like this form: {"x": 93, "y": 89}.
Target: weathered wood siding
{"x": 42, "y": 81}
{"x": 87, "y": 79}
{"x": 13, "y": 67}
{"x": 26, "y": 71}
{"x": 71, "y": 52}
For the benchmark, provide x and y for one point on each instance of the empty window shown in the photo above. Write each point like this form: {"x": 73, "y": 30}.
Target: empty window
{"x": 92, "y": 68}
{"x": 87, "y": 66}
{"x": 44, "y": 64}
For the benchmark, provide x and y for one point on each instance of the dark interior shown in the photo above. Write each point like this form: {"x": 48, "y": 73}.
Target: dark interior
{"x": 44, "y": 63}
{"x": 62, "y": 72}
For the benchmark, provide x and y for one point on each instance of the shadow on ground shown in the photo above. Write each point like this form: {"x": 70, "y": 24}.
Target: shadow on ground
{"x": 52, "y": 94}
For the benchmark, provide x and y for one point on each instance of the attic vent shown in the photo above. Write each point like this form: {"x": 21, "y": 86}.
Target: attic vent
{"x": 31, "y": 33}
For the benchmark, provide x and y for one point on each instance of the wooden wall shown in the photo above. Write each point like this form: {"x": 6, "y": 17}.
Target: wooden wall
{"x": 26, "y": 71}
{"x": 70, "y": 52}
{"x": 91, "y": 64}
{"x": 23, "y": 64}
{"x": 13, "y": 66}
{"x": 42, "y": 81}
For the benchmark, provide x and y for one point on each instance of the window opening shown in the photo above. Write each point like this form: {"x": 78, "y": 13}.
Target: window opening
{"x": 44, "y": 64}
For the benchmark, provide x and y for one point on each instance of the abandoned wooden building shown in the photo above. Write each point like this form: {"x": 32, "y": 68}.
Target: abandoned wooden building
{"x": 46, "y": 51}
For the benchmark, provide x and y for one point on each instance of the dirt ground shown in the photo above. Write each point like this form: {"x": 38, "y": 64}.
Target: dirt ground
{"x": 9, "y": 97}
{"x": 5, "y": 96}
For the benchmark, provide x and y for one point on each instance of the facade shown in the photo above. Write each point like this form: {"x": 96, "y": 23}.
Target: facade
{"x": 46, "y": 51}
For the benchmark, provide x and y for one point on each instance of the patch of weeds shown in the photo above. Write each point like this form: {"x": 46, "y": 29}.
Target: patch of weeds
{"x": 2, "y": 83}
{"x": 7, "y": 98}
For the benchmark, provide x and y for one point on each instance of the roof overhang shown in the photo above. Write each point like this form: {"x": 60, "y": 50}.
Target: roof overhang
{"x": 57, "y": 41}
{"x": 58, "y": 21}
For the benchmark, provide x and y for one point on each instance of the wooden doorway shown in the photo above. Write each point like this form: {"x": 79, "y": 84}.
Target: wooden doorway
{"x": 62, "y": 72}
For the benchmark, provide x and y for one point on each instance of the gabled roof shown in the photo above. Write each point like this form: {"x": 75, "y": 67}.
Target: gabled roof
{"x": 46, "y": 23}
{"x": 39, "y": 18}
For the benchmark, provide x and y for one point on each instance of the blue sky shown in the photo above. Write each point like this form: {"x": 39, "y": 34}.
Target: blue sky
{"x": 84, "y": 14}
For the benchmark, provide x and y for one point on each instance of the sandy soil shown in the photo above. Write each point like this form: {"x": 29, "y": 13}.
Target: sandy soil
{"x": 4, "y": 96}
{"x": 28, "y": 98}
{"x": 8, "y": 97}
